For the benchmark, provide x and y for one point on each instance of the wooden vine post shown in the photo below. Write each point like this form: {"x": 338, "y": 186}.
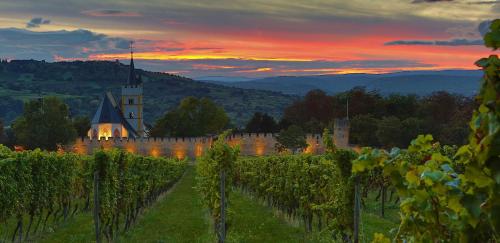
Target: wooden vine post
{"x": 384, "y": 193}
{"x": 96, "y": 206}
{"x": 214, "y": 171}
{"x": 222, "y": 230}
{"x": 356, "y": 210}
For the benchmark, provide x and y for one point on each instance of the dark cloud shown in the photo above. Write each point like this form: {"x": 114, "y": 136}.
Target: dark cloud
{"x": 430, "y": 1}
{"x": 36, "y": 22}
{"x": 110, "y": 13}
{"x": 453, "y": 42}
{"x": 25, "y": 44}
{"x": 484, "y": 27}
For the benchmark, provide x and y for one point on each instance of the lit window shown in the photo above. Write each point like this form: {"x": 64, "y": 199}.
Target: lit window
{"x": 116, "y": 133}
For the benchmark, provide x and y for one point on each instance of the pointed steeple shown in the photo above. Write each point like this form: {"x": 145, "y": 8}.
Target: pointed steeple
{"x": 132, "y": 80}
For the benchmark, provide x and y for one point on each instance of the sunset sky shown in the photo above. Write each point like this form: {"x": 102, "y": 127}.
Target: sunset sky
{"x": 248, "y": 38}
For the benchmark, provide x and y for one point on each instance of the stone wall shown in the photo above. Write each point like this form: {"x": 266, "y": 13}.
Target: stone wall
{"x": 251, "y": 144}
{"x": 168, "y": 147}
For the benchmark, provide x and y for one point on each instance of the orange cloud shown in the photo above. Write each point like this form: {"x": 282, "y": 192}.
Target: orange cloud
{"x": 177, "y": 57}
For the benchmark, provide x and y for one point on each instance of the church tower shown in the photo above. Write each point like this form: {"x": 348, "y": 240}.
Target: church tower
{"x": 132, "y": 99}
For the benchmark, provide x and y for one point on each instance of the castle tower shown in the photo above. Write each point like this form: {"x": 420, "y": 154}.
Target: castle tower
{"x": 341, "y": 133}
{"x": 132, "y": 99}
{"x": 341, "y": 128}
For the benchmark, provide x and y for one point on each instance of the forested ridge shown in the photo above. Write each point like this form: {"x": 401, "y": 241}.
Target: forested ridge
{"x": 82, "y": 83}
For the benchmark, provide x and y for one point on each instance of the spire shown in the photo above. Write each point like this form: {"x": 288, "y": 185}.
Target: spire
{"x": 132, "y": 80}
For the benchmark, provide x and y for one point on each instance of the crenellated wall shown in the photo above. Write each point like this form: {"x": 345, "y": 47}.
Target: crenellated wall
{"x": 251, "y": 144}
{"x": 168, "y": 147}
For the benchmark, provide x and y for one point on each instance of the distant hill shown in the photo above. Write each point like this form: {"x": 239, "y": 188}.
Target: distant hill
{"x": 464, "y": 82}
{"x": 224, "y": 79}
{"x": 81, "y": 85}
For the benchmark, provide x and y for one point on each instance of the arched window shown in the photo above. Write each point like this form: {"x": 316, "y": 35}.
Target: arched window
{"x": 116, "y": 133}
{"x": 105, "y": 133}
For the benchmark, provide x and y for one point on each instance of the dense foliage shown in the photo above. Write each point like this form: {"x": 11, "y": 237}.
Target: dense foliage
{"x": 449, "y": 195}
{"x": 262, "y": 123}
{"x": 45, "y": 124}
{"x": 215, "y": 166}
{"x": 292, "y": 138}
{"x": 2, "y": 133}
{"x": 81, "y": 125}
{"x": 313, "y": 188}
{"x": 378, "y": 120}
{"x": 192, "y": 118}
{"x": 42, "y": 185}
{"x": 426, "y": 180}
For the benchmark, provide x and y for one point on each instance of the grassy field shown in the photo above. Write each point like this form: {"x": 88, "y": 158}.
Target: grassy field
{"x": 180, "y": 217}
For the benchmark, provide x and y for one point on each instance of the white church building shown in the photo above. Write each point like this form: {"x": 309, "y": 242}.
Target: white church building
{"x": 123, "y": 119}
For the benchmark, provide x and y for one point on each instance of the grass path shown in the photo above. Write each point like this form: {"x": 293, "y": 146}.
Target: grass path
{"x": 253, "y": 222}
{"x": 179, "y": 217}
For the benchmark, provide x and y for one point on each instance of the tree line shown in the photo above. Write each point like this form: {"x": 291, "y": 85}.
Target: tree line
{"x": 375, "y": 120}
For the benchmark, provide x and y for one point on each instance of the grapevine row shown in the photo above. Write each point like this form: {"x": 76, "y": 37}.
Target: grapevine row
{"x": 214, "y": 169}
{"x": 304, "y": 186}
{"x": 449, "y": 194}
{"x": 309, "y": 187}
{"x": 41, "y": 185}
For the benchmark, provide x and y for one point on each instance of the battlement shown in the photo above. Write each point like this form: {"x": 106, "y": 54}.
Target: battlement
{"x": 251, "y": 144}
{"x": 132, "y": 86}
{"x": 132, "y": 90}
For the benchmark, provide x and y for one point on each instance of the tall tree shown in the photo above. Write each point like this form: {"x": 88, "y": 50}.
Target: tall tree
{"x": 401, "y": 106}
{"x": 389, "y": 132}
{"x": 411, "y": 128}
{"x": 362, "y": 130}
{"x": 45, "y": 124}
{"x": 2, "y": 133}
{"x": 292, "y": 138}
{"x": 193, "y": 117}
{"x": 82, "y": 125}
{"x": 262, "y": 123}
{"x": 364, "y": 102}
{"x": 316, "y": 110}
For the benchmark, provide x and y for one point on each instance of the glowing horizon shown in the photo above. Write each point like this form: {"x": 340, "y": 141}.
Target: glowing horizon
{"x": 253, "y": 38}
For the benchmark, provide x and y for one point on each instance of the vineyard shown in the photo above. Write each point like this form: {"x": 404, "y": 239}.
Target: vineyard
{"x": 440, "y": 193}
{"x": 445, "y": 193}
{"x": 49, "y": 186}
